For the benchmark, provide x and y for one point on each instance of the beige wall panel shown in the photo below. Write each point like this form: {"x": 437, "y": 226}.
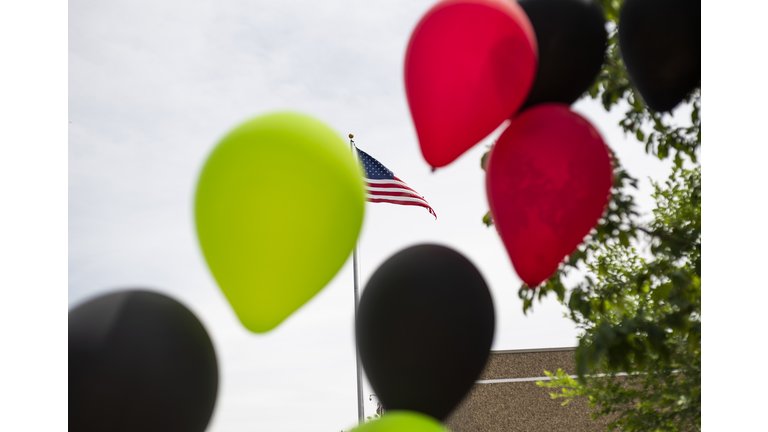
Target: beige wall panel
{"x": 522, "y": 406}
{"x": 527, "y": 364}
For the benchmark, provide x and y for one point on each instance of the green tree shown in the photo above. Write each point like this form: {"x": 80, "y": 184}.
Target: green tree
{"x": 642, "y": 317}
{"x": 639, "y": 314}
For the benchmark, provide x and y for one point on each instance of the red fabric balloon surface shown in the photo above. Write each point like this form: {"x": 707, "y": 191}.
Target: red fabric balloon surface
{"x": 548, "y": 182}
{"x": 469, "y": 66}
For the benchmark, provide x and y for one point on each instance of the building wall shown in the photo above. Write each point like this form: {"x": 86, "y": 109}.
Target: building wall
{"x": 522, "y": 406}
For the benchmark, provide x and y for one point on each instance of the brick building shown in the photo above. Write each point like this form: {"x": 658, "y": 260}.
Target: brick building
{"x": 506, "y": 397}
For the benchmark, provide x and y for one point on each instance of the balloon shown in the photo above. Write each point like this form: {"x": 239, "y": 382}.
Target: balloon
{"x": 139, "y": 361}
{"x": 424, "y": 329}
{"x": 279, "y": 207}
{"x": 402, "y": 421}
{"x": 548, "y": 180}
{"x": 469, "y": 66}
{"x": 571, "y": 39}
{"x": 660, "y": 43}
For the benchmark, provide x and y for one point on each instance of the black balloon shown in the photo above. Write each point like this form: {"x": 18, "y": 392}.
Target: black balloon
{"x": 424, "y": 329}
{"x": 660, "y": 43}
{"x": 139, "y": 361}
{"x": 571, "y": 37}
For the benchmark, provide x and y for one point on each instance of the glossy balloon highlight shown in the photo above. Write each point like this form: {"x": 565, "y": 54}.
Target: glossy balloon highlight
{"x": 279, "y": 206}
{"x": 469, "y": 65}
{"x": 424, "y": 329}
{"x": 548, "y": 180}
{"x": 139, "y": 361}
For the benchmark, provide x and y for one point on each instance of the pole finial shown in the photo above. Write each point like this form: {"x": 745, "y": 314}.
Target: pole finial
{"x": 351, "y": 136}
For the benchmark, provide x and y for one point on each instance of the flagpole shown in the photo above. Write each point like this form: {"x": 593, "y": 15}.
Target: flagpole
{"x": 360, "y": 403}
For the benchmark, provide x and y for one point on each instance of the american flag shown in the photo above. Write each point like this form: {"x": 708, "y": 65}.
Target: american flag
{"x": 383, "y": 186}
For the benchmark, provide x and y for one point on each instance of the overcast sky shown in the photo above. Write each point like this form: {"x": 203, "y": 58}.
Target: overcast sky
{"x": 154, "y": 85}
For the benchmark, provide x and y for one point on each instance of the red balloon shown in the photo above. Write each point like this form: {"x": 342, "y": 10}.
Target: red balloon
{"x": 469, "y": 66}
{"x": 548, "y": 182}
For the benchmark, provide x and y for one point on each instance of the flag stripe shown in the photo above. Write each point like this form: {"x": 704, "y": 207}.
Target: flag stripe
{"x": 386, "y": 183}
{"x": 395, "y": 198}
{"x": 393, "y": 191}
{"x": 419, "y": 204}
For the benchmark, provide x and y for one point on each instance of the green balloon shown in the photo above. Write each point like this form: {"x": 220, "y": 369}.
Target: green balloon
{"x": 402, "y": 421}
{"x": 279, "y": 206}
